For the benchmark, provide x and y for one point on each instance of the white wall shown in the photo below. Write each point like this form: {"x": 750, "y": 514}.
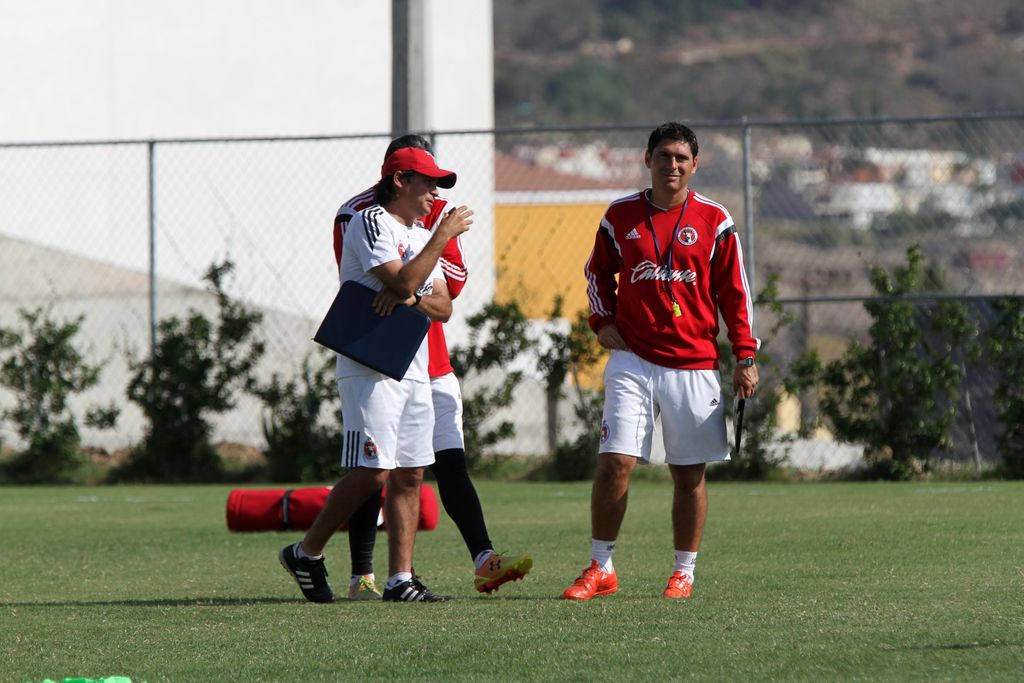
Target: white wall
{"x": 136, "y": 69}
{"x": 73, "y": 70}
{"x": 97, "y": 69}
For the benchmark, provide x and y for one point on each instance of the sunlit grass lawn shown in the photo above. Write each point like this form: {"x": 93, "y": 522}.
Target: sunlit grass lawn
{"x": 820, "y": 581}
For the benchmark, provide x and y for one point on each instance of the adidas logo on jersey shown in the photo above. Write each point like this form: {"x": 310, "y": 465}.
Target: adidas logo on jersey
{"x": 714, "y": 402}
{"x": 633, "y": 234}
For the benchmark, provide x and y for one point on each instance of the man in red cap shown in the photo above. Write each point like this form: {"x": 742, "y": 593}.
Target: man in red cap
{"x": 458, "y": 494}
{"x": 388, "y": 423}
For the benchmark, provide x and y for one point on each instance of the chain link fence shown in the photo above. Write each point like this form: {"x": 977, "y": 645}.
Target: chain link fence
{"x": 122, "y": 232}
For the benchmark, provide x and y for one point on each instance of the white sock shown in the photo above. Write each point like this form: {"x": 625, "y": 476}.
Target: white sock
{"x": 301, "y": 552}
{"x": 356, "y": 577}
{"x": 686, "y": 562}
{"x": 398, "y": 578}
{"x": 482, "y": 557}
{"x": 601, "y": 552}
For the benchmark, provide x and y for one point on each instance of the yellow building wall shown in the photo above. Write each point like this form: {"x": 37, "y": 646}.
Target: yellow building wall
{"x": 540, "y": 251}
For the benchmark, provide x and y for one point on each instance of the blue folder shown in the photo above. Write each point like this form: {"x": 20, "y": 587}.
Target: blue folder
{"x": 386, "y": 344}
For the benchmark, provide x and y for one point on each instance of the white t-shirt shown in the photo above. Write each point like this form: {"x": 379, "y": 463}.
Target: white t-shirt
{"x": 374, "y": 237}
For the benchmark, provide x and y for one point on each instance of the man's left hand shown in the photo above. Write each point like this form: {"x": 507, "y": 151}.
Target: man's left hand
{"x": 744, "y": 380}
{"x": 386, "y": 300}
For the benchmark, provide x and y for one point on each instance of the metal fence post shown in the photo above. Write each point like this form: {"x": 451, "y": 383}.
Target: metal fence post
{"x": 748, "y": 217}
{"x": 150, "y": 160}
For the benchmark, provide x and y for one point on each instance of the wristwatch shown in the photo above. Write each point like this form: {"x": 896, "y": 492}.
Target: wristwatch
{"x": 419, "y": 297}
{"x": 746, "y": 362}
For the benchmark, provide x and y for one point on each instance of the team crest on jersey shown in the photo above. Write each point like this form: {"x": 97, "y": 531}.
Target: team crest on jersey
{"x": 401, "y": 250}
{"x": 370, "y": 449}
{"x": 687, "y": 236}
{"x": 604, "y": 431}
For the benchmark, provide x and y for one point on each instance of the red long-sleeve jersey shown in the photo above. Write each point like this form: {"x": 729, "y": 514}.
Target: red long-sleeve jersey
{"x": 698, "y": 262}
{"x": 453, "y": 265}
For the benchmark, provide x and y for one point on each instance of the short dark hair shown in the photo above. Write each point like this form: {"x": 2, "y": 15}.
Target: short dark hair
{"x": 410, "y": 140}
{"x": 384, "y": 191}
{"x": 672, "y": 131}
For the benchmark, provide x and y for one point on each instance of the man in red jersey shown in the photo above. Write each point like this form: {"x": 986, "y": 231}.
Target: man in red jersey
{"x": 665, "y": 262}
{"x": 458, "y": 495}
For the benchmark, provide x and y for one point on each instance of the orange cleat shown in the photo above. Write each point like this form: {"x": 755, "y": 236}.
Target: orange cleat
{"x": 593, "y": 581}
{"x": 680, "y": 585}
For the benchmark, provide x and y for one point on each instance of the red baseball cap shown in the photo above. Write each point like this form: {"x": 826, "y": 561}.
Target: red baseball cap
{"x": 419, "y": 160}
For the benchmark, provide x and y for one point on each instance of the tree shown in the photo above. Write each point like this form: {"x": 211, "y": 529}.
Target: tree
{"x": 588, "y": 85}
{"x": 196, "y": 371}
{"x": 898, "y": 394}
{"x": 42, "y": 366}
{"x": 300, "y": 447}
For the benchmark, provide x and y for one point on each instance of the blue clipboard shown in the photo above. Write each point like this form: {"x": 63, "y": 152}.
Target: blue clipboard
{"x": 386, "y": 344}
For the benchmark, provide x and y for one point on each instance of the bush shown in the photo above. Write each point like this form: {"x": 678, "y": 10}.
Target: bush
{"x": 43, "y": 368}
{"x": 497, "y": 336}
{"x": 197, "y": 369}
{"x": 568, "y": 356}
{"x": 576, "y": 460}
{"x": 299, "y": 446}
{"x": 897, "y": 395}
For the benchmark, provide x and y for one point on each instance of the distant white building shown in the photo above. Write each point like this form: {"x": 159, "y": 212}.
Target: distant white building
{"x": 925, "y": 167}
{"x": 861, "y": 203}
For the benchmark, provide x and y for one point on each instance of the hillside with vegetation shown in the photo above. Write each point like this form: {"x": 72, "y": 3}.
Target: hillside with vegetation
{"x": 602, "y": 61}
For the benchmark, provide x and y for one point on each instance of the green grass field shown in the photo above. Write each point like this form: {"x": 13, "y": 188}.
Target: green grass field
{"x": 822, "y": 581}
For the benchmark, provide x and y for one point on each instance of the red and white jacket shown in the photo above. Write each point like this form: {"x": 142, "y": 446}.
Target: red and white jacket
{"x": 452, "y": 261}
{"x": 703, "y": 266}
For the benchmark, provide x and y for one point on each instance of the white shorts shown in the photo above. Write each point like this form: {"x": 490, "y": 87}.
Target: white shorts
{"x": 689, "y": 402}
{"x": 387, "y": 423}
{"x": 447, "y": 397}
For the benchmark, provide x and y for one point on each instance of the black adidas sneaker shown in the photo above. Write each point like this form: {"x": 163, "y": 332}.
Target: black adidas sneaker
{"x": 412, "y": 591}
{"x": 311, "y": 575}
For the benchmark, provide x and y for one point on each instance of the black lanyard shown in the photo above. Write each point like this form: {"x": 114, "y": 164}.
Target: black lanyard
{"x": 665, "y": 262}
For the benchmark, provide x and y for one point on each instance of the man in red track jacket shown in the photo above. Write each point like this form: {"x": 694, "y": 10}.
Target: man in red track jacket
{"x": 666, "y": 262}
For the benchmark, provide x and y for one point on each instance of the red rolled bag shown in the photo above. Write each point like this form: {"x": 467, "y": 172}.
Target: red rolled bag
{"x": 291, "y": 509}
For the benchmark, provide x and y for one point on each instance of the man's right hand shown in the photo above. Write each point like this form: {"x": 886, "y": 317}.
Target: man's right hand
{"x": 610, "y": 338}
{"x": 455, "y": 222}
